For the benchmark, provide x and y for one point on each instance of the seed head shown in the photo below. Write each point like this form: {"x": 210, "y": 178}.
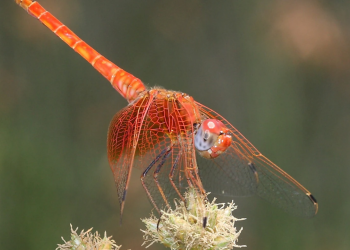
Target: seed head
{"x": 88, "y": 241}
{"x": 199, "y": 224}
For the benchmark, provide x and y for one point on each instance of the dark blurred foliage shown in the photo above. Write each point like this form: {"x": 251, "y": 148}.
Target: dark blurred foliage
{"x": 277, "y": 70}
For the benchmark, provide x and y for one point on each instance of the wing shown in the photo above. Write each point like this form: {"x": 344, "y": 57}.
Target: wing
{"x": 243, "y": 170}
{"x": 122, "y": 140}
{"x": 165, "y": 148}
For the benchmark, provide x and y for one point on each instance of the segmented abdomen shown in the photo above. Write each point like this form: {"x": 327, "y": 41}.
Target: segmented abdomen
{"x": 126, "y": 84}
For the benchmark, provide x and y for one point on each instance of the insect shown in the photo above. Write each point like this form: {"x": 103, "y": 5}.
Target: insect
{"x": 178, "y": 142}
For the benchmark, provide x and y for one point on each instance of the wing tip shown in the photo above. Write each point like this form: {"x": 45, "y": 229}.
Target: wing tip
{"x": 314, "y": 201}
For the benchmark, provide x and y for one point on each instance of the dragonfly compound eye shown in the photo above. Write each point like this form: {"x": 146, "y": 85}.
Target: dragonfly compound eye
{"x": 204, "y": 140}
{"x": 211, "y": 139}
{"x": 206, "y": 135}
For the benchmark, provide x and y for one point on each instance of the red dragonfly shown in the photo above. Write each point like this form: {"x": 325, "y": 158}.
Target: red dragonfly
{"x": 179, "y": 142}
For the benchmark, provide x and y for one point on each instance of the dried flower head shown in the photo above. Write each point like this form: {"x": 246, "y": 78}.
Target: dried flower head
{"x": 199, "y": 224}
{"x": 88, "y": 241}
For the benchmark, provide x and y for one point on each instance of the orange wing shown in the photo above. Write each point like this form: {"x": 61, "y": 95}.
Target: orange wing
{"x": 155, "y": 132}
{"x": 243, "y": 170}
{"x": 122, "y": 140}
{"x": 165, "y": 149}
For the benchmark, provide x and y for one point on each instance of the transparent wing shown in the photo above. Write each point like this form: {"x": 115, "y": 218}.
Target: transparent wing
{"x": 123, "y": 134}
{"x": 228, "y": 174}
{"x": 243, "y": 170}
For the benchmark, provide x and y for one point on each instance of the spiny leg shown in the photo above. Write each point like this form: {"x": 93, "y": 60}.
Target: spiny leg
{"x": 160, "y": 218}
{"x": 198, "y": 181}
{"x": 191, "y": 180}
{"x": 156, "y": 172}
{"x": 205, "y": 220}
{"x": 171, "y": 176}
{"x": 194, "y": 180}
{"x": 143, "y": 175}
{"x": 191, "y": 169}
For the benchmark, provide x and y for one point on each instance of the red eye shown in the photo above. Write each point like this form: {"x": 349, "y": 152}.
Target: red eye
{"x": 214, "y": 126}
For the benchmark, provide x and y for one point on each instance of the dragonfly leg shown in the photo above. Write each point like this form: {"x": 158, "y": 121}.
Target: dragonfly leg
{"x": 171, "y": 176}
{"x": 194, "y": 180}
{"x": 156, "y": 172}
{"x": 198, "y": 181}
{"x": 143, "y": 175}
{"x": 160, "y": 218}
{"x": 205, "y": 220}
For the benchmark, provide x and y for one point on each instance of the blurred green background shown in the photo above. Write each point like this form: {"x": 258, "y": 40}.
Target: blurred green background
{"x": 277, "y": 70}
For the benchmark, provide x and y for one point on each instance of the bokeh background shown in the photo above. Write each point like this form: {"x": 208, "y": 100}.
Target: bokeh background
{"x": 277, "y": 70}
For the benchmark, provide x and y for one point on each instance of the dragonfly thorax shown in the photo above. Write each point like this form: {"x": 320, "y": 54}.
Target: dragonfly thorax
{"x": 170, "y": 112}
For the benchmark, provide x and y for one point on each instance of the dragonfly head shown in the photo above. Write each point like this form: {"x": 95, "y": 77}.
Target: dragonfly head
{"x": 212, "y": 139}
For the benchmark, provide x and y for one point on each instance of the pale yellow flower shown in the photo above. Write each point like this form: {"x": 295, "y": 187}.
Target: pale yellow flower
{"x": 199, "y": 224}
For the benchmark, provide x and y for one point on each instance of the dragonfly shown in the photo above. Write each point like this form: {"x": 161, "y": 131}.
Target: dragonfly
{"x": 178, "y": 142}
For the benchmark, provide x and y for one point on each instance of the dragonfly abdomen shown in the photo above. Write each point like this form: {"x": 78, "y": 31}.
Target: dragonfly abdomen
{"x": 125, "y": 83}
